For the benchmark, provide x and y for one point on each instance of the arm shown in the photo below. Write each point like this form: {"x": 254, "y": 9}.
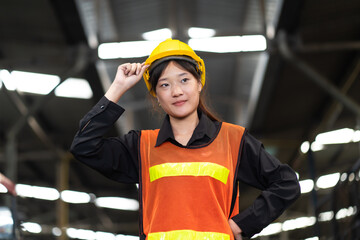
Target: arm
{"x": 8, "y": 184}
{"x": 278, "y": 182}
{"x": 116, "y": 158}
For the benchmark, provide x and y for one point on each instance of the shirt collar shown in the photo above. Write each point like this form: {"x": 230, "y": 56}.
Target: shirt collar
{"x": 205, "y": 127}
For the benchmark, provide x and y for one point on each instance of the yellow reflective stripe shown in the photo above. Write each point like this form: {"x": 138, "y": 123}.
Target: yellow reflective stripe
{"x": 188, "y": 234}
{"x": 213, "y": 170}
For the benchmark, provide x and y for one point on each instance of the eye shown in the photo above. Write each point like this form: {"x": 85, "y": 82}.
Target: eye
{"x": 164, "y": 85}
{"x": 184, "y": 80}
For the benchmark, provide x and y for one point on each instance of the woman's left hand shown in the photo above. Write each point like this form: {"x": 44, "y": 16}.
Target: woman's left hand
{"x": 235, "y": 229}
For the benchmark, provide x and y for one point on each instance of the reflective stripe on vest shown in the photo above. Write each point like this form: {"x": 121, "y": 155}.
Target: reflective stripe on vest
{"x": 188, "y": 234}
{"x": 189, "y": 169}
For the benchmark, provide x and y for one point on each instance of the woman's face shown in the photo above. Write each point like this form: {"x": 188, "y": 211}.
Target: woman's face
{"x": 178, "y": 91}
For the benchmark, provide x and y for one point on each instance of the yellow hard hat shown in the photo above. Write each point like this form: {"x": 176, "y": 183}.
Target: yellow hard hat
{"x": 172, "y": 49}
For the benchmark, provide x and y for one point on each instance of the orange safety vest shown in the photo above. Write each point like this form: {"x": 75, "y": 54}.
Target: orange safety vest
{"x": 188, "y": 193}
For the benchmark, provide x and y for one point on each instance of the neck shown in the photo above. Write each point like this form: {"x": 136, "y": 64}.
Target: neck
{"x": 183, "y": 128}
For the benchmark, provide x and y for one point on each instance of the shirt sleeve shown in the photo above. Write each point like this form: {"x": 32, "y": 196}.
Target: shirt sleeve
{"x": 115, "y": 157}
{"x": 278, "y": 183}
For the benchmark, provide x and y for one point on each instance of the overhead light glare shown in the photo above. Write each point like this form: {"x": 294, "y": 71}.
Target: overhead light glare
{"x": 305, "y": 146}
{"x": 306, "y": 185}
{"x": 75, "y": 197}
{"x": 339, "y": 136}
{"x": 328, "y": 181}
{"x": 126, "y": 49}
{"x": 296, "y": 223}
{"x": 117, "y": 203}
{"x": 43, "y": 193}
{"x": 5, "y": 77}
{"x": 74, "y": 88}
{"x": 229, "y": 44}
{"x": 37, "y": 83}
{"x": 157, "y": 35}
{"x": 326, "y": 216}
{"x": 3, "y": 189}
{"x": 31, "y": 227}
{"x": 196, "y": 32}
{"x": 273, "y": 228}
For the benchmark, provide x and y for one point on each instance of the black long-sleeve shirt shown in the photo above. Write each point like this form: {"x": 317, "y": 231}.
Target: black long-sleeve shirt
{"x": 117, "y": 158}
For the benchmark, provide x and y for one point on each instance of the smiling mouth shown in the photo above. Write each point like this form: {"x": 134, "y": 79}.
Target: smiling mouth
{"x": 179, "y": 103}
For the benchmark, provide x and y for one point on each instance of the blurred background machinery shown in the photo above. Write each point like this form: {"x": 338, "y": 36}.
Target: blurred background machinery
{"x": 294, "y": 91}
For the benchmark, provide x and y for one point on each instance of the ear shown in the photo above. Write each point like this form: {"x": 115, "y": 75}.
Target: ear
{"x": 200, "y": 86}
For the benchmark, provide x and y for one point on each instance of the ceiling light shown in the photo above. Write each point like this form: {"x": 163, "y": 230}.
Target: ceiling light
{"x": 126, "y": 49}
{"x": 195, "y": 32}
{"x": 305, "y": 146}
{"x": 344, "y": 135}
{"x": 273, "y": 228}
{"x": 75, "y": 197}
{"x": 37, "y": 83}
{"x": 3, "y": 189}
{"x": 74, "y": 88}
{"x": 43, "y": 193}
{"x": 80, "y": 233}
{"x": 306, "y": 185}
{"x": 126, "y": 237}
{"x": 328, "y": 181}
{"x": 296, "y": 223}
{"x": 356, "y": 136}
{"x": 326, "y": 216}
{"x": 117, "y": 203}
{"x": 31, "y": 227}
{"x": 5, "y": 77}
{"x": 160, "y": 34}
{"x": 316, "y": 146}
{"x": 229, "y": 44}
{"x": 104, "y": 236}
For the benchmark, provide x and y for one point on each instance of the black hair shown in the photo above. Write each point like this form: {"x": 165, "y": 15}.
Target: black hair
{"x": 156, "y": 72}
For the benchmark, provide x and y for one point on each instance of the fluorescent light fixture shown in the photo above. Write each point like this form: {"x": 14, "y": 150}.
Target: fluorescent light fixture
{"x": 344, "y": 135}
{"x": 159, "y": 34}
{"x": 31, "y": 227}
{"x": 296, "y": 223}
{"x": 343, "y": 177}
{"x": 346, "y": 212}
{"x": 75, "y": 197}
{"x": 74, "y": 88}
{"x": 356, "y": 136}
{"x": 126, "y": 49}
{"x": 273, "y": 228}
{"x": 126, "y": 237}
{"x": 195, "y": 32}
{"x": 305, "y": 146}
{"x": 312, "y": 238}
{"x": 117, "y": 203}
{"x": 80, "y": 233}
{"x": 37, "y": 83}
{"x": 104, "y": 236}
{"x": 56, "y": 231}
{"x": 229, "y": 44}
{"x": 328, "y": 181}
{"x": 306, "y": 185}
{"x": 5, "y": 77}
{"x": 326, "y": 216}
{"x": 316, "y": 146}
{"x": 43, "y": 193}
{"x": 3, "y": 189}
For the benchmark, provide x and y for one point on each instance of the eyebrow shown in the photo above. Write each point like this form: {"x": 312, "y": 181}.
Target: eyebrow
{"x": 179, "y": 75}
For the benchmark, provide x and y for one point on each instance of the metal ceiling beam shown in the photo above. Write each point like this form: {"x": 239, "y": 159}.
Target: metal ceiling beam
{"x": 316, "y": 77}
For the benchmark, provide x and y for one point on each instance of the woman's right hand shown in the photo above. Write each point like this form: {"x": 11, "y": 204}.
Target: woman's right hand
{"x": 127, "y": 75}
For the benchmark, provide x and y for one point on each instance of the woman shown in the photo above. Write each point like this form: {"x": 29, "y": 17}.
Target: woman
{"x": 188, "y": 169}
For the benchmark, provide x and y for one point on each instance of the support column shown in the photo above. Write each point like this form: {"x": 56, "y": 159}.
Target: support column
{"x": 62, "y": 208}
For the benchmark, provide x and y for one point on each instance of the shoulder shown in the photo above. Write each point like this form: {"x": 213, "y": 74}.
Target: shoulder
{"x": 232, "y": 127}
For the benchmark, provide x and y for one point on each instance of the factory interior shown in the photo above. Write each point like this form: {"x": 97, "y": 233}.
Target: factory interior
{"x": 286, "y": 70}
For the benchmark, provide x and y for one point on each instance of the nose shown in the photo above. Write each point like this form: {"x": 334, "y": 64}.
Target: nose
{"x": 176, "y": 90}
